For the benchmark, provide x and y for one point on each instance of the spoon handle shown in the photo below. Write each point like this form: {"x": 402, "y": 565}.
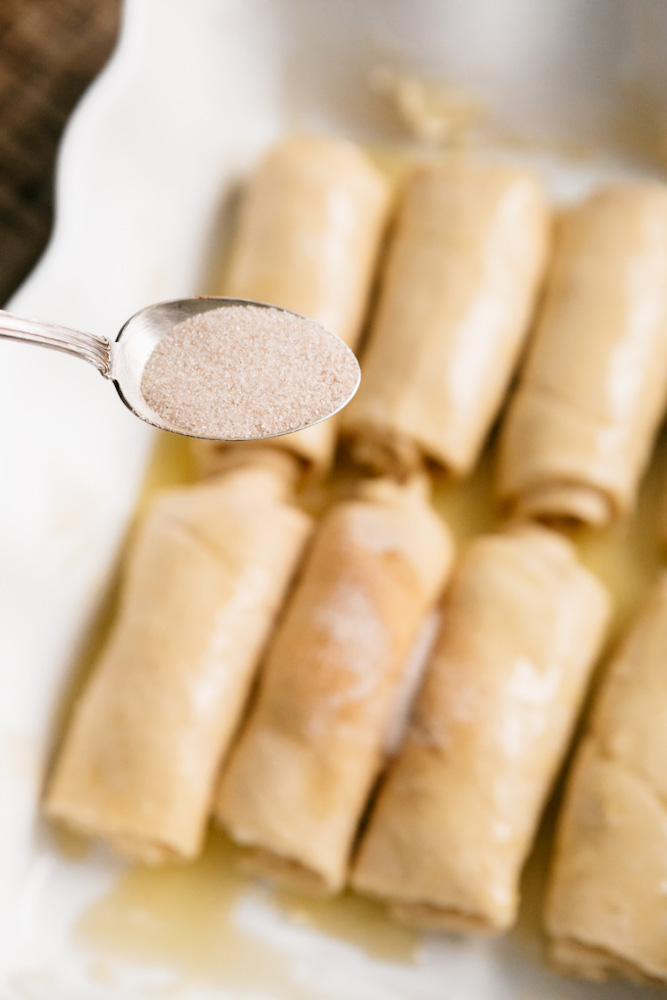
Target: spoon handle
{"x": 87, "y": 346}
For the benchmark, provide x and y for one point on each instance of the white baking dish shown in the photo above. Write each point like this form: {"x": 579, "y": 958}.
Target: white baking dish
{"x": 193, "y": 93}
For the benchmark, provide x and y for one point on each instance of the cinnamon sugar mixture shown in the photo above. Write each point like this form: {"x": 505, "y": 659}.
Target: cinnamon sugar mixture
{"x": 241, "y": 372}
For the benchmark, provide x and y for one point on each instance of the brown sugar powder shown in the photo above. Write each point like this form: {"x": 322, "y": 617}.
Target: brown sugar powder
{"x": 240, "y": 372}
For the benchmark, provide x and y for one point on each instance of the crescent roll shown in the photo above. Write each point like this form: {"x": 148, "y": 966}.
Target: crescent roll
{"x": 309, "y": 233}
{"x": 580, "y": 429}
{"x": 606, "y": 911}
{"x": 204, "y": 580}
{"x": 457, "y": 811}
{"x": 457, "y": 294}
{"x": 313, "y": 745}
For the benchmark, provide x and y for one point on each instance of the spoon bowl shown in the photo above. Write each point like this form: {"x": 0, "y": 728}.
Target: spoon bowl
{"x": 124, "y": 360}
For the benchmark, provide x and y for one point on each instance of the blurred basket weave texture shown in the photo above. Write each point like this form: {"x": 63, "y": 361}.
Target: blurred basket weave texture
{"x": 49, "y": 52}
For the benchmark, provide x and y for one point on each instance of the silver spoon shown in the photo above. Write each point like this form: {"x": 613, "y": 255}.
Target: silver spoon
{"x": 124, "y": 360}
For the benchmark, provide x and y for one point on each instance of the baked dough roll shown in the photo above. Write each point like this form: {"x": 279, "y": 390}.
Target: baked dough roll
{"x": 457, "y": 294}
{"x": 299, "y": 777}
{"x": 309, "y": 233}
{"x": 580, "y": 429}
{"x": 456, "y": 815}
{"x": 606, "y": 911}
{"x": 204, "y": 580}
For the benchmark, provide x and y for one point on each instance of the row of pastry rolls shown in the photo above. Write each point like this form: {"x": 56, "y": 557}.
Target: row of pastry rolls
{"x": 311, "y": 224}
{"x": 606, "y": 911}
{"x": 206, "y": 577}
{"x": 203, "y": 582}
{"x": 468, "y": 254}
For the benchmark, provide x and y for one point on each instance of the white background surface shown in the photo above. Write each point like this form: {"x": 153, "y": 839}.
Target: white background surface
{"x": 195, "y": 90}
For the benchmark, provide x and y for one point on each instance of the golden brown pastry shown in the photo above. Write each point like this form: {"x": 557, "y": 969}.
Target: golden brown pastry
{"x": 457, "y": 294}
{"x": 579, "y": 431}
{"x": 309, "y": 234}
{"x": 299, "y": 778}
{"x": 606, "y": 911}
{"x": 204, "y": 581}
{"x": 457, "y": 812}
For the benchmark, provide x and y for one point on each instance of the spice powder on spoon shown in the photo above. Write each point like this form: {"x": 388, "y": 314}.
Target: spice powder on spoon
{"x": 240, "y": 372}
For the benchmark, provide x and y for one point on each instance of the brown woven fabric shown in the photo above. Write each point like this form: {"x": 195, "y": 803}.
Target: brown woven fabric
{"x": 49, "y": 52}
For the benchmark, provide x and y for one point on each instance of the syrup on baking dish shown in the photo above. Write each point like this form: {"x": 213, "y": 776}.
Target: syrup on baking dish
{"x": 186, "y": 917}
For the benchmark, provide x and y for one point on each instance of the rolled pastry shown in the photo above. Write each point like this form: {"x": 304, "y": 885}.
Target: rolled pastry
{"x": 457, "y": 295}
{"x": 580, "y": 429}
{"x": 204, "y": 581}
{"x": 457, "y": 812}
{"x": 301, "y": 773}
{"x": 309, "y": 233}
{"x": 606, "y": 911}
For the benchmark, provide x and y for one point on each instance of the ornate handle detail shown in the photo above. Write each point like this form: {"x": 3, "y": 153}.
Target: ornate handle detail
{"x": 87, "y": 346}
